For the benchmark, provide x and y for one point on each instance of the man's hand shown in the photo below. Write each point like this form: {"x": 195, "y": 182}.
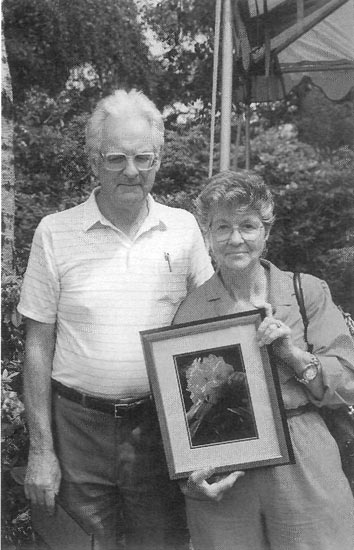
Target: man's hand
{"x": 42, "y": 479}
{"x": 197, "y": 486}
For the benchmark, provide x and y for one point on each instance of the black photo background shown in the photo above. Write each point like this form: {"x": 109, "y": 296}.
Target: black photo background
{"x": 215, "y": 394}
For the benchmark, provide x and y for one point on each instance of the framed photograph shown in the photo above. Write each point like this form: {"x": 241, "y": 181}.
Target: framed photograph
{"x": 217, "y": 395}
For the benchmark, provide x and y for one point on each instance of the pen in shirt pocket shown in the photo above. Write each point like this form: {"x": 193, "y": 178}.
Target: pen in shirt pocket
{"x": 167, "y": 258}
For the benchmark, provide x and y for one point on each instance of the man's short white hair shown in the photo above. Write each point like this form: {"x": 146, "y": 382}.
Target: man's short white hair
{"x": 122, "y": 105}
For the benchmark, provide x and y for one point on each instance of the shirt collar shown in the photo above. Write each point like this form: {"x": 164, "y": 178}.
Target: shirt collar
{"x": 91, "y": 213}
{"x": 92, "y": 216}
{"x": 155, "y": 217}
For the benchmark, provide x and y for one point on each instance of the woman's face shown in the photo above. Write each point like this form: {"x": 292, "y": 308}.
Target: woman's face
{"x": 237, "y": 237}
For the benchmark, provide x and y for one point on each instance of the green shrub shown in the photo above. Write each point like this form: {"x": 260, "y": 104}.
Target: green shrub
{"x": 314, "y": 199}
{"x": 15, "y": 510}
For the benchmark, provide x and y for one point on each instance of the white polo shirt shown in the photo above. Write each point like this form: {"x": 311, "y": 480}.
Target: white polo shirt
{"x": 101, "y": 289}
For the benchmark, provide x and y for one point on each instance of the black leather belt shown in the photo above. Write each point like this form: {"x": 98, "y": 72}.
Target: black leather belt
{"x": 118, "y": 409}
{"x": 302, "y": 409}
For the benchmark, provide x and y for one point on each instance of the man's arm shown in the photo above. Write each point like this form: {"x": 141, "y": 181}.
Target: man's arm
{"x": 43, "y": 471}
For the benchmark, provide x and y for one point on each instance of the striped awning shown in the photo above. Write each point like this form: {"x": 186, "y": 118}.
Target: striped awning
{"x": 279, "y": 42}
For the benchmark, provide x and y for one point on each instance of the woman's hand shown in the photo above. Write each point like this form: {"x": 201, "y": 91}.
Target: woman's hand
{"x": 198, "y": 487}
{"x": 272, "y": 331}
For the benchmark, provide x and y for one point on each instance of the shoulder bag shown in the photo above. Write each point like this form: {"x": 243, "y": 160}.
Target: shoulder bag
{"x": 339, "y": 420}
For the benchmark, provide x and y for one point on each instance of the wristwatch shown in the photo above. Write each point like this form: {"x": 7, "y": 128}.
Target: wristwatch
{"x": 310, "y": 371}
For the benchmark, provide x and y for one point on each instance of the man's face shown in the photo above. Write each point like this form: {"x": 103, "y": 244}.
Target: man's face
{"x": 129, "y": 186}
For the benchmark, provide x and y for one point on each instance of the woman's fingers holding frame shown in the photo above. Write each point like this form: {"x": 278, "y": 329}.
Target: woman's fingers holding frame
{"x": 198, "y": 487}
{"x": 272, "y": 329}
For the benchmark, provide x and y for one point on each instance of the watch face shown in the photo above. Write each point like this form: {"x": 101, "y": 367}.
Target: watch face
{"x": 310, "y": 373}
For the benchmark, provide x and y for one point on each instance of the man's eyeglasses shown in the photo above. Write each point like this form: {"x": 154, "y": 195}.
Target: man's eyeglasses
{"x": 117, "y": 162}
{"x": 249, "y": 231}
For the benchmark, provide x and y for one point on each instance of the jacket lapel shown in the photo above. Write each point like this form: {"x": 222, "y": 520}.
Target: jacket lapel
{"x": 218, "y": 299}
{"x": 281, "y": 291}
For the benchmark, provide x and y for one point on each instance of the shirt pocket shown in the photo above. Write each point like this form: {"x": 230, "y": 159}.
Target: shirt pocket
{"x": 172, "y": 287}
{"x": 164, "y": 270}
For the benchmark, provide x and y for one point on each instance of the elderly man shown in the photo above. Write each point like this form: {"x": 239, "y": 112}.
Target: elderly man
{"x": 99, "y": 273}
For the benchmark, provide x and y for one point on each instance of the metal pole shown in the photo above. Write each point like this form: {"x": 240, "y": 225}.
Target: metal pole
{"x": 226, "y": 88}
{"x": 237, "y": 143}
{"x": 247, "y": 136}
{"x": 215, "y": 83}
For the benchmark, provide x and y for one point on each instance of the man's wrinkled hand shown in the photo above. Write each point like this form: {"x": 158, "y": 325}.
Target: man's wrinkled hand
{"x": 42, "y": 479}
{"x": 199, "y": 488}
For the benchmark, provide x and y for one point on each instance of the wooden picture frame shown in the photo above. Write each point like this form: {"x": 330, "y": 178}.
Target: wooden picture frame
{"x": 217, "y": 395}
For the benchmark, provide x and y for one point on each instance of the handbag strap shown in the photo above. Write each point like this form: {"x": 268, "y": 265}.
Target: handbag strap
{"x": 301, "y": 303}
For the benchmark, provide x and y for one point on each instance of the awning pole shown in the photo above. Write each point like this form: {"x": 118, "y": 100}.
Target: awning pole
{"x": 226, "y": 88}
{"x": 237, "y": 143}
{"x": 215, "y": 83}
{"x": 247, "y": 136}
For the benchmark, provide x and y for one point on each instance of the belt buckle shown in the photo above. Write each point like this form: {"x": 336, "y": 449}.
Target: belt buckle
{"x": 117, "y": 409}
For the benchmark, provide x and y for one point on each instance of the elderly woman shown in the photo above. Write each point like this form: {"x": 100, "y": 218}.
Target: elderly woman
{"x": 303, "y": 506}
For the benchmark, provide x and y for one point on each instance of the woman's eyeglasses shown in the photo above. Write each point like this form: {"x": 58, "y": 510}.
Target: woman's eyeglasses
{"x": 117, "y": 162}
{"x": 249, "y": 231}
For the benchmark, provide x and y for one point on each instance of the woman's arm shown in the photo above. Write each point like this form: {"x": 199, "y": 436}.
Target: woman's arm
{"x": 273, "y": 331}
{"x": 331, "y": 340}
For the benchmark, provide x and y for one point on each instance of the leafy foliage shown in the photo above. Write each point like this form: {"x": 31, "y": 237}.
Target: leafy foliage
{"x": 52, "y": 172}
{"x": 186, "y": 31}
{"x": 14, "y": 440}
{"x": 45, "y": 39}
{"x": 314, "y": 206}
{"x": 185, "y": 159}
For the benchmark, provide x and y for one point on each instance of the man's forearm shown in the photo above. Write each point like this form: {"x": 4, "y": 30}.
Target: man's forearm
{"x": 43, "y": 474}
{"x": 37, "y": 384}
